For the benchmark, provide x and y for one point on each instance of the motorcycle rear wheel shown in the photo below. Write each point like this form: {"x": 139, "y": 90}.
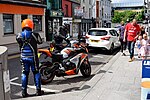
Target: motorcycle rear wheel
{"x": 46, "y": 77}
{"x": 85, "y": 69}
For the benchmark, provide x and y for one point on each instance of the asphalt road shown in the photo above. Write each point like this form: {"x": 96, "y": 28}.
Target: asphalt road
{"x": 97, "y": 59}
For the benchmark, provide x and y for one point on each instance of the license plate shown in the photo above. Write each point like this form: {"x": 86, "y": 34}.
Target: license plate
{"x": 94, "y": 40}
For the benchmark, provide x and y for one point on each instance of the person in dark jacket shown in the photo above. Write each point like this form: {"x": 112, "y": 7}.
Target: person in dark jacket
{"x": 28, "y": 41}
{"x": 121, "y": 37}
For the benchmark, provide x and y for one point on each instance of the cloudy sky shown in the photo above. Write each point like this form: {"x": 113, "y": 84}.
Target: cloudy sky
{"x": 120, "y": 1}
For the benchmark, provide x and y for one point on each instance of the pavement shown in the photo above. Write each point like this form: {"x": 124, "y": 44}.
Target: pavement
{"x": 116, "y": 80}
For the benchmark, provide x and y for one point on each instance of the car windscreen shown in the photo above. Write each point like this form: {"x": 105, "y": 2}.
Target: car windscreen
{"x": 97, "y": 32}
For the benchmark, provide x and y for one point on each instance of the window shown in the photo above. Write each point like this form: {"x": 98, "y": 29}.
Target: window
{"x": 90, "y": 12}
{"x": 37, "y": 20}
{"x": 90, "y": 2}
{"x": 84, "y": 11}
{"x": 8, "y": 24}
{"x": 97, "y": 32}
{"x": 116, "y": 33}
{"x": 66, "y": 10}
{"x": 112, "y": 32}
{"x": 56, "y": 4}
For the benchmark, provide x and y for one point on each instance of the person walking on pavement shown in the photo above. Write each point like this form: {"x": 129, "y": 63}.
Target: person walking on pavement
{"x": 143, "y": 31}
{"x": 121, "y": 37}
{"x": 28, "y": 41}
{"x": 132, "y": 31}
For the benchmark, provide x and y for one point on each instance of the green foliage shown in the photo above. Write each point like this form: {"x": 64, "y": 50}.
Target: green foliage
{"x": 123, "y": 16}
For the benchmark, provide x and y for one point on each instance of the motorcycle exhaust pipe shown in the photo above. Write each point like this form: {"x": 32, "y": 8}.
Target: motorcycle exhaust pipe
{"x": 54, "y": 67}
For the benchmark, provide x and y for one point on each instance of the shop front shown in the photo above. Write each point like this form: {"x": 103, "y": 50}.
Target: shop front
{"x": 11, "y": 16}
{"x": 67, "y": 21}
{"x": 53, "y": 23}
{"x": 86, "y": 25}
{"x": 76, "y": 29}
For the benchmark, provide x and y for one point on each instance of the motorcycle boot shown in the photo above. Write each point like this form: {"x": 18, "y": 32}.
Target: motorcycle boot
{"x": 39, "y": 92}
{"x": 24, "y": 93}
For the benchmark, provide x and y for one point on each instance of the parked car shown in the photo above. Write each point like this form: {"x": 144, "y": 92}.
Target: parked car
{"x": 105, "y": 38}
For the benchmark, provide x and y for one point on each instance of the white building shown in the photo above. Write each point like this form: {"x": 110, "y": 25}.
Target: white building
{"x": 105, "y": 12}
{"x": 101, "y": 12}
{"x": 86, "y": 20}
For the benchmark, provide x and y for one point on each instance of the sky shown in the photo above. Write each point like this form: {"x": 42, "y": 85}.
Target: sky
{"x": 124, "y": 1}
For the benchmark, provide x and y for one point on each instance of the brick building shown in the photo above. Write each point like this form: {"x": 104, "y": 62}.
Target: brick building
{"x": 12, "y": 12}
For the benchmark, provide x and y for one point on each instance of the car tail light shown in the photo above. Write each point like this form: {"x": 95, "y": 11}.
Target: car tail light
{"x": 87, "y": 37}
{"x": 105, "y": 38}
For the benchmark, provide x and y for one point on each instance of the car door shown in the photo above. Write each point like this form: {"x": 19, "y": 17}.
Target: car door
{"x": 117, "y": 42}
{"x": 113, "y": 36}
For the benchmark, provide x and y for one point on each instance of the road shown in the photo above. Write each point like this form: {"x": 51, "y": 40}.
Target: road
{"x": 60, "y": 84}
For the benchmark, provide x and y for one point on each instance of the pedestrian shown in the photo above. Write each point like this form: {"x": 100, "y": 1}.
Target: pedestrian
{"x": 142, "y": 31}
{"x": 121, "y": 37}
{"x": 132, "y": 31}
{"x": 139, "y": 45}
{"x": 145, "y": 48}
{"x": 28, "y": 41}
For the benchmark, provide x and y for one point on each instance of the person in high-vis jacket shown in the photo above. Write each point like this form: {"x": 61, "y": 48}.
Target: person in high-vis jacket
{"x": 28, "y": 41}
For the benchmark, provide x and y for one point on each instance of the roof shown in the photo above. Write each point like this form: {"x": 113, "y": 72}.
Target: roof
{"x": 24, "y": 2}
{"x": 102, "y": 28}
{"x": 134, "y": 4}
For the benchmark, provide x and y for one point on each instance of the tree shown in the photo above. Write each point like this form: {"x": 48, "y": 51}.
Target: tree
{"x": 123, "y": 16}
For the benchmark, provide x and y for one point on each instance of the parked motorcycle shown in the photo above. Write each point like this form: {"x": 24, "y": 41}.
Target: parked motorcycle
{"x": 54, "y": 64}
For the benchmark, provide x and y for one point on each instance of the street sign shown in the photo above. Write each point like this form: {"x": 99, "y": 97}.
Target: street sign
{"x": 145, "y": 84}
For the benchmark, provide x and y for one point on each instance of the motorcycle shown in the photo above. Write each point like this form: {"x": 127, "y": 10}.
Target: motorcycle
{"x": 54, "y": 64}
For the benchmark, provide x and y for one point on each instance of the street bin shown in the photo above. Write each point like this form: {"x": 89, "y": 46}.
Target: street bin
{"x": 4, "y": 75}
{"x": 145, "y": 84}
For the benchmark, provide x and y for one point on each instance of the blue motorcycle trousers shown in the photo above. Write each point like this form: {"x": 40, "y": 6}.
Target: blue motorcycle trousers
{"x": 27, "y": 64}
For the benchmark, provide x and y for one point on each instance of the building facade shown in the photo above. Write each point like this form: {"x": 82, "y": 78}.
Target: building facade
{"x": 67, "y": 19}
{"x": 13, "y": 12}
{"x": 86, "y": 21}
{"x": 101, "y": 13}
{"x": 105, "y": 12}
{"x": 54, "y": 18}
{"x": 72, "y": 16}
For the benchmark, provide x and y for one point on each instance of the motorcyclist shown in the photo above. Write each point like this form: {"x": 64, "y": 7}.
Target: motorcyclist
{"x": 58, "y": 40}
{"x": 28, "y": 41}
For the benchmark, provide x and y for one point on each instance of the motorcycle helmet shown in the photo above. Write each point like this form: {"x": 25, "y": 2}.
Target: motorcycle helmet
{"x": 27, "y": 23}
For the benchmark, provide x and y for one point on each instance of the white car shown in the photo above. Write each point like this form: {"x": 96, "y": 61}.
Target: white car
{"x": 105, "y": 38}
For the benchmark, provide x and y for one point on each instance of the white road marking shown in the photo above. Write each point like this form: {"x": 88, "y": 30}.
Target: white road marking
{"x": 32, "y": 87}
{"x": 97, "y": 56}
{"x": 14, "y": 79}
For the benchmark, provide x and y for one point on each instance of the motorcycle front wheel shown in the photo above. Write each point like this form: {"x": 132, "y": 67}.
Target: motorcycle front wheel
{"x": 85, "y": 68}
{"x": 46, "y": 76}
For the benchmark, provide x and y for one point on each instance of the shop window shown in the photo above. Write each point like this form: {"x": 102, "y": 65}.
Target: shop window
{"x": 37, "y": 20}
{"x": 8, "y": 24}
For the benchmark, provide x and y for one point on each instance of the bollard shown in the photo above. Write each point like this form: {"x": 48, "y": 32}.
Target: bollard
{"x": 4, "y": 75}
{"x": 145, "y": 85}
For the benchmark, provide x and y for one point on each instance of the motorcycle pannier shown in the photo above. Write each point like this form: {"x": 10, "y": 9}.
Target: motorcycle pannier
{"x": 57, "y": 58}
